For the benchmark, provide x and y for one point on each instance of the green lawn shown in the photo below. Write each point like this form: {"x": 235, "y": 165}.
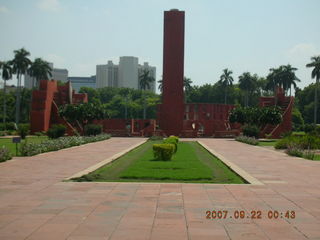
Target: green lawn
{"x": 7, "y": 142}
{"x": 267, "y": 143}
{"x": 191, "y": 163}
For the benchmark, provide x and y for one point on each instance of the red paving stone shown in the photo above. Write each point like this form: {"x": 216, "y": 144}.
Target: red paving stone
{"x": 35, "y": 203}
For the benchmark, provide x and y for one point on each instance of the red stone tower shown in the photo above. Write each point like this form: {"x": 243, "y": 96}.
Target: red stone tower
{"x": 172, "y": 108}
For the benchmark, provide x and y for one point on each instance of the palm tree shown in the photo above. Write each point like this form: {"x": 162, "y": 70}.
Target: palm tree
{"x": 226, "y": 80}
{"x": 20, "y": 64}
{"x": 247, "y": 83}
{"x": 289, "y": 77}
{"x": 144, "y": 82}
{"x": 40, "y": 70}
{"x": 315, "y": 64}
{"x": 6, "y": 75}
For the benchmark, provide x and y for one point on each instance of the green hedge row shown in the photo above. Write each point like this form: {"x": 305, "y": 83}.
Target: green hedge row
{"x": 165, "y": 150}
{"x": 30, "y": 149}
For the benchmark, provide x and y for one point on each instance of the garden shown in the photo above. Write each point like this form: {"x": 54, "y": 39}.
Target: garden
{"x": 168, "y": 160}
{"x": 52, "y": 140}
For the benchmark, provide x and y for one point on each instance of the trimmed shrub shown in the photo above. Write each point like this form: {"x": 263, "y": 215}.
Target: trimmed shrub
{"x": 92, "y": 129}
{"x": 163, "y": 151}
{"x": 251, "y": 131}
{"x": 4, "y": 154}
{"x": 304, "y": 142}
{"x": 172, "y": 140}
{"x": 56, "y": 131}
{"x": 30, "y": 149}
{"x": 23, "y": 130}
{"x": 248, "y": 140}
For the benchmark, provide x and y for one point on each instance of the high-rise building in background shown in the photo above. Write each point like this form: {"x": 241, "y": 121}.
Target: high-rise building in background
{"x": 57, "y": 74}
{"x": 126, "y": 74}
{"x": 79, "y": 82}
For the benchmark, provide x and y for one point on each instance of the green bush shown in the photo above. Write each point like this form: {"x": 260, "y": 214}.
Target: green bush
{"x": 7, "y": 126}
{"x": 304, "y": 142}
{"x": 92, "y": 129}
{"x": 294, "y": 150}
{"x": 4, "y": 154}
{"x": 251, "y": 131}
{"x": 172, "y": 140}
{"x": 297, "y": 120}
{"x": 23, "y": 130}
{"x": 163, "y": 151}
{"x": 248, "y": 140}
{"x": 30, "y": 149}
{"x": 56, "y": 131}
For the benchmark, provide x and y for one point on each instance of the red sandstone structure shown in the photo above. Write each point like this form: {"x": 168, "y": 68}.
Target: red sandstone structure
{"x": 174, "y": 117}
{"x": 45, "y": 103}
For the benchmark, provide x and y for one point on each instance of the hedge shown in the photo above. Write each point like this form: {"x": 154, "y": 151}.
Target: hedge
{"x": 163, "y": 151}
{"x": 30, "y": 149}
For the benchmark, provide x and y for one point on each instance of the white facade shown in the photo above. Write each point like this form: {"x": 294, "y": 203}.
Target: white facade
{"x": 126, "y": 74}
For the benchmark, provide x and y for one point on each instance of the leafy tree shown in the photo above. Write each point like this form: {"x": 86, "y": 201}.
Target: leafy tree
{"x": 145, "y": 81}
{"x": 6, "y": 75}
{"x": 40, "y": 70}
{"x": 82, "y": 114}
{"x": 226, "y": 81}
{"x": 20, "y": 64}
{"x": 248, "y": 84}
{"x": 315, "y": 64}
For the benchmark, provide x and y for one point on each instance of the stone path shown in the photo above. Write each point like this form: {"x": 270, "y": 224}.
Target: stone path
{"x": 36, "y": 204}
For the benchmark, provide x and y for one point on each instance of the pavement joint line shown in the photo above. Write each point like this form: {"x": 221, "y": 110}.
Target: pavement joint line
{"x": 245, "y": 175}
{"x": 105, "y": 161}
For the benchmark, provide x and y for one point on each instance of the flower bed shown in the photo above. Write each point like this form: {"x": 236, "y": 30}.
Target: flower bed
{"x": 248, "y": 140}
{"x": 30, "y": 149}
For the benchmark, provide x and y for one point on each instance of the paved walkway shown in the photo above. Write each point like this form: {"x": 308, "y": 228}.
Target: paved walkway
{"x": 36, "y": 204}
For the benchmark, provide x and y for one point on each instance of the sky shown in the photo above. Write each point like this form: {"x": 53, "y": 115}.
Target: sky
{"x": 241, "y": 35}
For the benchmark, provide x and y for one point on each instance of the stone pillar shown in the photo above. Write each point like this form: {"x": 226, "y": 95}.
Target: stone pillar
{"x": 172, "y": 108}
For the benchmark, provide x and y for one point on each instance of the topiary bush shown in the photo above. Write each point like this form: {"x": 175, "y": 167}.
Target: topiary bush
{"x": 163, "y": 151}
{"x": 4, "y": 154}
{"x": 251, "y": 131}
{"x": 23, "y": 130}
{"x": 92, "y": 129}
{"x": 172, "y": 140}
{"x": 56, "y": 131}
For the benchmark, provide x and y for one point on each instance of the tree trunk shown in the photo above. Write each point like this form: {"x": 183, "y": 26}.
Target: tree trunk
{"x": 315, "y": 102}
{"x": 4, "y": 106}
{"x": 18, "y": 99}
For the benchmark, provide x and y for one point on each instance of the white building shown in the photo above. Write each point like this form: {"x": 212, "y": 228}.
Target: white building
{"x": 126, "y": 74}
{"x": 57, "y": 74}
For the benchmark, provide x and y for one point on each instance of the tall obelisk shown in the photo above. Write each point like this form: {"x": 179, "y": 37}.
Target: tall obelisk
{"x": 172, "y": 108}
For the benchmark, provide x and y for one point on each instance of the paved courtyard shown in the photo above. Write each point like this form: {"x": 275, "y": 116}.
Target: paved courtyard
{"x": 35, "y": 203}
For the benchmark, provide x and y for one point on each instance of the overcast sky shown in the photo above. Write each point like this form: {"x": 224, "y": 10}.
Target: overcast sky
{"x": 242, "y": 35}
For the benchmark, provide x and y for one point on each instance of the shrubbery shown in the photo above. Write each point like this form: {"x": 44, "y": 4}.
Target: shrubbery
{"x": 251, "y": 131}
{"x": 30, "y": 149}
{"x": 248, "y": 140}
{"x": 304, "y": 142}
{"x": 4, "y": 154}
{"x": 23, "y": 130}
{"x": 56, "y": 131}
{"x": 165, "y": 150}
{"x": 7, "y": 126}
{"x": 155, "y": 138}
{"x": 92, "y": 129}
